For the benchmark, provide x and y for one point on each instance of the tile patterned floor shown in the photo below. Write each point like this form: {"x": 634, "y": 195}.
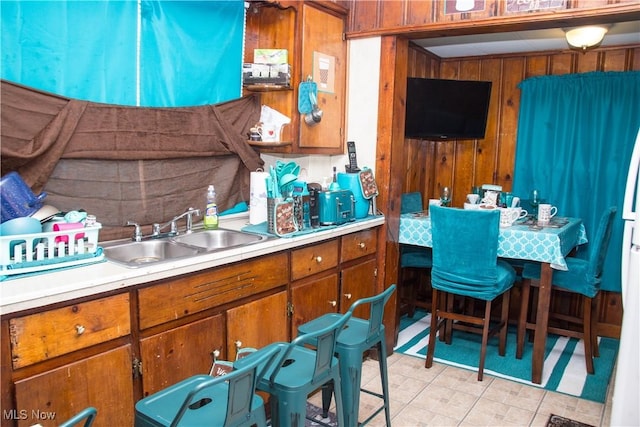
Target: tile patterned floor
{"x": 448, "y": 396}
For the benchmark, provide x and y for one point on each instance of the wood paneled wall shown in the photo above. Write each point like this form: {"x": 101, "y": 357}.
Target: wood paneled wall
{"x": 430, "y": 165}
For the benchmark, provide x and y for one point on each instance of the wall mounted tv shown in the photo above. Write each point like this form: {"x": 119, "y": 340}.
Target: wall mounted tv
{"x": 446, "y": 109}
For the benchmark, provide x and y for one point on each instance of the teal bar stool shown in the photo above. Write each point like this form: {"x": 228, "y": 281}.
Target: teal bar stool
{"x": 228, "y": 400}
{"x": 299, "y": 371}
{"x": 356, "y": 338}
{"x": 87, "y": 414}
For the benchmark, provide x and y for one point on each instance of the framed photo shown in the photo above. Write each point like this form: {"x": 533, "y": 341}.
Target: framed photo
{"x": 520, "y": 6}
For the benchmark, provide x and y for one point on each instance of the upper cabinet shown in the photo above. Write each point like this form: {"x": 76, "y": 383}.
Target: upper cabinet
{"x": 313, "y": 34}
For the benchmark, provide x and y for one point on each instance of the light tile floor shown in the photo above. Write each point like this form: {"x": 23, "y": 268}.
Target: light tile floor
{"x": 448, "y": 396}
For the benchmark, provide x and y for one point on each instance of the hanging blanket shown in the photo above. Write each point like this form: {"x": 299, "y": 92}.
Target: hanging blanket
{"x": 129, "y": 163}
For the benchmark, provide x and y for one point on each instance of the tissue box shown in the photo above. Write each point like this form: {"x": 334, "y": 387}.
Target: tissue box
{"x": 274, "y": 74}
{"x": 270, "y": 56}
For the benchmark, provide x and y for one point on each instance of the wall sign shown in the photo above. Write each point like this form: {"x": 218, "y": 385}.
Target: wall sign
{"x": 463, "y": 6}
{"x": 515, "y": 6}
{"x": 324, "y": 72}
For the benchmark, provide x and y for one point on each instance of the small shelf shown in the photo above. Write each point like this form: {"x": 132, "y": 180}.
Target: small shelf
{"x": 269, "y": 144}
{"x": 266, "y": 87}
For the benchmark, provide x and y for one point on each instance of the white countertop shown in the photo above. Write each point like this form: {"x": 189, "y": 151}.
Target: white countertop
{"x": 64, "y": 285}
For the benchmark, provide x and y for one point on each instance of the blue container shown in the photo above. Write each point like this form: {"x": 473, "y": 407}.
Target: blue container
{"x": 17, "y": 199}
{"x": 351, "y": 181}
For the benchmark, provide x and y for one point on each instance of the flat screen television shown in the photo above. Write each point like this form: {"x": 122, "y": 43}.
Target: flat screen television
{"x": 446, "y": 109}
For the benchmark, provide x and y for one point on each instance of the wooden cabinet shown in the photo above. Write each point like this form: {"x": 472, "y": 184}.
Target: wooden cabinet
{"x": 313, "y": 34}
{"x": 257, "y": 323}
{"x": 173, "y": 355}
{"x": 102, "y": 381}
{"x": 359, "y": 270}
{"x": 313, "y": 298}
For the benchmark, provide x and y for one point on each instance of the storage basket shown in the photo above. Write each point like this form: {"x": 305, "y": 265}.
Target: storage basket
{"x": 26, "y": 253}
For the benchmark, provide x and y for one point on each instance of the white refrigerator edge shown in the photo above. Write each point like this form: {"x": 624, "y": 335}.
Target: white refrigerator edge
{"x": 625, "y": 410}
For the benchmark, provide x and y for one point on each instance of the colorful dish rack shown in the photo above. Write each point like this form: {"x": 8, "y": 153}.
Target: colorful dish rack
{"x": 28, "y": 253}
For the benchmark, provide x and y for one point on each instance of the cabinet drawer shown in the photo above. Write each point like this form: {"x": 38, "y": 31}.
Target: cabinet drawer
{"x": 313, "y": 259}
{"x": 42, "y": 336}
{"x": 183, "y": 296}
{"x": 359, "y": 244}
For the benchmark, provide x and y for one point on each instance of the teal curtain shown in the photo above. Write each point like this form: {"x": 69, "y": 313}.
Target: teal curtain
{"x": 158, "y": 53}
{"x": 575, "y": 137}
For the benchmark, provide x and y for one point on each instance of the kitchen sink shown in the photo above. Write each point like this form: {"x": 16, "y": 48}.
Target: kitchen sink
{"x": 218, "y": 239}
{"x": 135, "y": 254}
{"x": 154, "y": 250}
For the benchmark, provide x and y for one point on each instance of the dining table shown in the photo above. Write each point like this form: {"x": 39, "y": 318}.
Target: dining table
{"x": 525, "y": 240}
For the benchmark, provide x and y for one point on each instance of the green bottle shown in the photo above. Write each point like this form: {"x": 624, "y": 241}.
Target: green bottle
{"x": 211, "y": 211}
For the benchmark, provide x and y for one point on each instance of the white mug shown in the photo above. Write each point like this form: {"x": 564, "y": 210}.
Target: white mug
{"x": 521, "y": 212}
{"x": 508, "y": 217}
{"x": 546, "y": 212}
{"x": 268, "y": 132}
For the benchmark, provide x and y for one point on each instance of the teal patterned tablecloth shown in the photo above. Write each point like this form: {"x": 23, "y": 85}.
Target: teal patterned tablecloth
{"x": 549, "y": 244}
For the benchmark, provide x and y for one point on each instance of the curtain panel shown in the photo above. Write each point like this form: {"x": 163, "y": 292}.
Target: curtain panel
{"x": 575, "y": 137}
{"x": 152, "y": 53}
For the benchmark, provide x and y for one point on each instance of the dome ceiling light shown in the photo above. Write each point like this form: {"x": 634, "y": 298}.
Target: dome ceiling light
{"x": 585, "y": 38}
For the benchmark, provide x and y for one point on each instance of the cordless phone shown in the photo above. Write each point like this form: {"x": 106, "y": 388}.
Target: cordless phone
{"x": 352, "y": 167}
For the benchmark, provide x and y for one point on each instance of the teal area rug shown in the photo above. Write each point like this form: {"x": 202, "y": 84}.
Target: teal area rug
{"x": 564, "y": 367}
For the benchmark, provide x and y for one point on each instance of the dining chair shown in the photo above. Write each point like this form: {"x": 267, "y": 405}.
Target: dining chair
{"x": 356, "y": 338}
{"x": 87, "y": 414}
{"x": 582, "y": 277}
{"x": 299, "y": 371}
{"x": 466, "y": 264}
{"x": 227, "y": 400}
{"x": 413, "y": 259}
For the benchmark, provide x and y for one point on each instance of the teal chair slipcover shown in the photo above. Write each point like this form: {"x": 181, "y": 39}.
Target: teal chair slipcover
{"x": 87, "y": 414}
{"x": 356, "y": 338}
{"x": 412, "y": 257}
{"x": 227, "y": 400}
{"x": 465, "y": 263}
{"x": 583, "y": 277}
{"x": 299, "y": 371}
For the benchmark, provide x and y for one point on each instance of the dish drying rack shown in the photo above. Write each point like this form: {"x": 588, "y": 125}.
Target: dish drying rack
{"x": 49, "y": 250}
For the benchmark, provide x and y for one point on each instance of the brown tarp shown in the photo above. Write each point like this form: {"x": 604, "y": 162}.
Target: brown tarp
{"x": 127, "y": 163}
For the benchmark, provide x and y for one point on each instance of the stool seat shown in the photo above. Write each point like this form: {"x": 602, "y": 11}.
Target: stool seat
{"x": 228, "y": 400}
{"x": 354, "y": 340}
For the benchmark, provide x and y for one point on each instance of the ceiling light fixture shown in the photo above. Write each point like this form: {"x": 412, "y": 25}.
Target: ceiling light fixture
{"x": 585, "y": 38}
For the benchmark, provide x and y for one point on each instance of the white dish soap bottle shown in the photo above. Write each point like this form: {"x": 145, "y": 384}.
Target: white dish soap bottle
{"x": 211, "y": 210}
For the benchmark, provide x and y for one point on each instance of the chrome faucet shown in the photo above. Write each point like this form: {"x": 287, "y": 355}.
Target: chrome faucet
{"x": 157, "y": 228}
{"x": 137, "y": 233}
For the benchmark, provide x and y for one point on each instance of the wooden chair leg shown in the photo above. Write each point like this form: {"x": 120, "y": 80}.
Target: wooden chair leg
{"x": 432, "y": 333}
{"x": 595, "y": 303}
{"x": 485, "y": 338}
{"x": 504, "y": 322}
{"x": 587, "y": 334}
{"x": 522, "y": 317}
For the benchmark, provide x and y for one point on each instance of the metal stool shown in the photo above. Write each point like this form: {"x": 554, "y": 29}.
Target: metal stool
{"x": 356, "y": 338}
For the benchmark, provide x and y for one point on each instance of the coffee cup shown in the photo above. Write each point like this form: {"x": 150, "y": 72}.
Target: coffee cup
{"x": 473, "y": 198}
{"x": 269, "y": 133}
{"x": 490, "y": 198}
{"x": 521, "y": 212}
{"x": 508, "y": 217}
{"x": 546, "y": 212}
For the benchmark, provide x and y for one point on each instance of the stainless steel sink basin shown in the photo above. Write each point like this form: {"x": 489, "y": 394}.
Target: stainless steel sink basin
{"x": 219, "y": 239}
{"x": 135, "y": 254}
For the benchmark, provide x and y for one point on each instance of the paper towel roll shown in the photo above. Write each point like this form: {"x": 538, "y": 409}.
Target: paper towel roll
{"x": 258, "y": 198}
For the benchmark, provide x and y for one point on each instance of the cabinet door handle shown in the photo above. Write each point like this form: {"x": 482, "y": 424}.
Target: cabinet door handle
{"x": 347, "y": 296}
{"x": 362, "y": 245}
{"x": 80, "y": 329}
{"x": 333, "y": 303}
{"x": 318, "y": 259}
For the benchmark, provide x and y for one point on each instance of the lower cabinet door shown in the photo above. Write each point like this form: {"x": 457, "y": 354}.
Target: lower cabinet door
{"x": 358, "y": 282}
{"x": 257, "y": 323}
{"x": 102, "y": 381}
{"x": 312, "y": 299}
{"x": 171, "y": 356}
